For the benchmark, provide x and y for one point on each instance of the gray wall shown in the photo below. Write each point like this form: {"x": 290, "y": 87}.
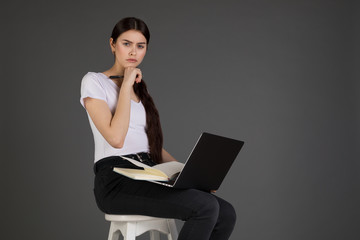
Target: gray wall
{"x": 281, "y": 75}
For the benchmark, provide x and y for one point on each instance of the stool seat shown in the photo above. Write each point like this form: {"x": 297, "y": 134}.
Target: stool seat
{"x": 128, "y": 218}
{"x": 131, "y": 226}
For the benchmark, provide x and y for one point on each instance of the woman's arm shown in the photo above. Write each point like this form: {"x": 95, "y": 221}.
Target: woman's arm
{"x": 166, "y": 156}
{"x": 114, "y": 127}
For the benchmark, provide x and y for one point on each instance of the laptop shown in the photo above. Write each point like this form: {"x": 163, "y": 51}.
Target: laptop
{"x": 207, "y": 164}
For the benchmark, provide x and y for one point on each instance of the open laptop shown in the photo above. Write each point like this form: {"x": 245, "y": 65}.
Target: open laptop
{"x": 208, "y": 163}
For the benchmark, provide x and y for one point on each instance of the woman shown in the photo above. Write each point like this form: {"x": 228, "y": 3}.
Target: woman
{"x": 125, "y": 122}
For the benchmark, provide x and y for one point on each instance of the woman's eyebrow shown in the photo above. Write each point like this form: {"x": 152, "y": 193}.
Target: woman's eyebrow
{"x": 132, "y": 42}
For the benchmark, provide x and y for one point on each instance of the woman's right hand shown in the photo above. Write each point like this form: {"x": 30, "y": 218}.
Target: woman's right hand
{"x": 132, "y": 75}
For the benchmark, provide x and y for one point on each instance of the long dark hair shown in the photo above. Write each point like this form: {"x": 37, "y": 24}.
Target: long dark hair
{"x": 153, "y": 127}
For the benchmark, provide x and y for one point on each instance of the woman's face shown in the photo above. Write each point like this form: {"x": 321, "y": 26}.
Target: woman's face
{"x": 130, "y": 48}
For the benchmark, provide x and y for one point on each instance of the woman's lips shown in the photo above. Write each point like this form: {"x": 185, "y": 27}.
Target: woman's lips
{"x": 131, "y": 60}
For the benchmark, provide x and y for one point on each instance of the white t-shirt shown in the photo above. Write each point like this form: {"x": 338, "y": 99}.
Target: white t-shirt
{"x": 99, "y": 86}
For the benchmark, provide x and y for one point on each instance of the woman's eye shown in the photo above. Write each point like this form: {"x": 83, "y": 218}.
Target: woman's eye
{"x": 141, "y": 46}
{"x": 126, "y": 44}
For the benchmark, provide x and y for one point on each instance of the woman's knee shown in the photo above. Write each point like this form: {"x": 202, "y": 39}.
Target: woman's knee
{"x": 227, "y": 213}
{"x": 231, "y": 213}
{"x": 208, "y": 207}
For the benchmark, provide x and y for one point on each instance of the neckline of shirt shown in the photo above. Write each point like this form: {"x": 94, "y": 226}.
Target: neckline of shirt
{"x": 114, "y": 84}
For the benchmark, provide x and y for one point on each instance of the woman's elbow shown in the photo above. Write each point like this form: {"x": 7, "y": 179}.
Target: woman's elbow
{"x": 117, "y": 143}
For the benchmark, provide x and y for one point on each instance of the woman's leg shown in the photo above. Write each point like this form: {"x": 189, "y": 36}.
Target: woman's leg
{"x": 226, "y": 221}
{"x": 202, "y": 212}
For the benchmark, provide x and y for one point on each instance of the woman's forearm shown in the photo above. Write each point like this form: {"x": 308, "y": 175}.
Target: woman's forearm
{"x": 166, "y": 156}
{"x": 120, "y": 122}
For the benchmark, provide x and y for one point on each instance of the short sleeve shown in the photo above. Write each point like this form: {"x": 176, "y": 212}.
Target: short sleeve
{"x": 91, "y": 87}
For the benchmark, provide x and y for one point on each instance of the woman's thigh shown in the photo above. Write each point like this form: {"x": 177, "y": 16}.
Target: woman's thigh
{"x": 117, "y": 194}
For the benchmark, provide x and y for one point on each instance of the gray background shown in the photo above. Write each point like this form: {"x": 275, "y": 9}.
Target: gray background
{"x": 281, "y": 75}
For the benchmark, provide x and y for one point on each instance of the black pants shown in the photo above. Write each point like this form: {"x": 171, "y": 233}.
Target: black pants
{"x": 206, "y": 216}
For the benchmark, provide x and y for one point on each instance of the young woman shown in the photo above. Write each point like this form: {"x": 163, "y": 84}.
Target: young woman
{"x": 125, "y": 122}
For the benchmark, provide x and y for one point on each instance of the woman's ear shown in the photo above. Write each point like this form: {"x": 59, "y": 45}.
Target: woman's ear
{"x": 112, "y": 45}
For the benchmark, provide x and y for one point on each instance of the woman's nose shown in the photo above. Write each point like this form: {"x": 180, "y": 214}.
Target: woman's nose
{"x": 133, "y": 51}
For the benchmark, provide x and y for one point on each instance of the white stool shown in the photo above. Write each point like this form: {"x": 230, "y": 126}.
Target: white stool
{"x": 132, "y": 226}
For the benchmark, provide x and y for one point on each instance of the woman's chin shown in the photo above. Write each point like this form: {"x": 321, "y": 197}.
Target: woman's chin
{"x": 129, "y": 64}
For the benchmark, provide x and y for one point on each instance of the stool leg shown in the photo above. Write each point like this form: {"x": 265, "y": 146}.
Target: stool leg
{"x": 173, "y": 231}
{"x": 130, "y": 231}
{"x": 113, "y": 232}
{"x": 116, "y": 235}
{"x": 154, "y": 235}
